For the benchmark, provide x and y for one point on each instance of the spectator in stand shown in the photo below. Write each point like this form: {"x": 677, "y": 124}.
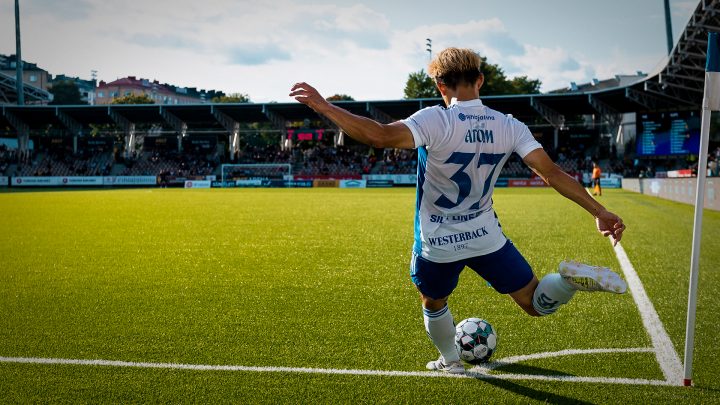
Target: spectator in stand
{"x": 712, "y": 166}
{"x": 596, "y": 173}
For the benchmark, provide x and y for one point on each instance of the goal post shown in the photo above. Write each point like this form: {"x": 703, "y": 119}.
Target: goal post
{"x": 250, "y": 171}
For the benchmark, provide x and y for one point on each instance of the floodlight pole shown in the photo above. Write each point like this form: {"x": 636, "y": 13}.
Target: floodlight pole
{"x": 18, "y": 56}
{"x": 711, "y": 102}
{"x": 668, "y": 27}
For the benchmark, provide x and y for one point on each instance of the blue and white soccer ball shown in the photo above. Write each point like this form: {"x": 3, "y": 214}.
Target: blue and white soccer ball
{"x": 475, "y": 340}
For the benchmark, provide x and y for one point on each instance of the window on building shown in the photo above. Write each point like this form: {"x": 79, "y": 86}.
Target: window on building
{"x": 101, "y": 94}
{"x": 33, "y": 78}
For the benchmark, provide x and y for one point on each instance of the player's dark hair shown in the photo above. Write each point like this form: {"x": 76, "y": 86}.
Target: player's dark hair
{"x": 453, "y": 79}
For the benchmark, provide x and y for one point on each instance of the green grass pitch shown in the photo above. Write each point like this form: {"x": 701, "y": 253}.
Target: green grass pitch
{"x": 319, "y": 279}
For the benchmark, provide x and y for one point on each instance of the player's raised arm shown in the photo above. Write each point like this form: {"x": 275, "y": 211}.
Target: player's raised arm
{"x": 608, "y": 224}
{"x": 365, "y": 130}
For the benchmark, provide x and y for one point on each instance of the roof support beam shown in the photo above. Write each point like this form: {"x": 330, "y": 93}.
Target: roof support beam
{"x": 69, "y": 122}
{"x": 129, "y": 128}
{"x": 378, "y": 115}
{"x": 685, "y": 77}
{"x": 233, "y": 128}
{"x": 32, "y": 92}
{"x": 607, "y": 113}
{"x": 684, "y": 86}
{"x": 23, "y": 130}
{"x": 553, "y": 117}
{"x": 656, "y": 88}
{"x": 645, "y": 99}
{"x": 278, "y": 121}
{"x": 176, "y": 123}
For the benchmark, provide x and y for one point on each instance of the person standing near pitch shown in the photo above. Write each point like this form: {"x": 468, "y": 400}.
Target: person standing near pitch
{"x": 461, "y": 150}
{"x": 596, "y": 173}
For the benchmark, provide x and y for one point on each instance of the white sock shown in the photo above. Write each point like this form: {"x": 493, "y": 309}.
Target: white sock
{"x": 552, "y": 292}
{"x": 440, "y": 328}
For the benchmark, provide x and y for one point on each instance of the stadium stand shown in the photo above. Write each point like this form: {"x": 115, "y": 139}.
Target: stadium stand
{"x": 66, "y": 164}
{"x": 676, "y": 85}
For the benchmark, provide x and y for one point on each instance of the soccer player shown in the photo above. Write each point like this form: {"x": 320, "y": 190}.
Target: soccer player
{"x": 461, "y": 150}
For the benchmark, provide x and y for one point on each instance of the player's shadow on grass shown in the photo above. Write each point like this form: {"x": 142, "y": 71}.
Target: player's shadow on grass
{"x": 529, "y": 370}
{"x": 531, "y": 392}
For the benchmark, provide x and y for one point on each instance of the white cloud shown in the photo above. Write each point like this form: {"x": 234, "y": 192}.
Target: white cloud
{"x": 554, "y": 66}
{"x": 261, "y": 48}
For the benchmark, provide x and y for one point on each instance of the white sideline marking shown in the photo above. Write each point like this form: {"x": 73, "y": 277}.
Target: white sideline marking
{"x": 476, "y": 373}
{"x": 569, "y": 352}
{"x": 665, "y": 352}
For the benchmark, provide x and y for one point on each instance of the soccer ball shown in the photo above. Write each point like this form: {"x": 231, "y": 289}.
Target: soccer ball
{"x": 475, "y": 340}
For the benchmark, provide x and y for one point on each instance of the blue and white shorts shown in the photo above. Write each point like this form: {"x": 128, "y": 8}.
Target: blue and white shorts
{"x": 506, "y": 270}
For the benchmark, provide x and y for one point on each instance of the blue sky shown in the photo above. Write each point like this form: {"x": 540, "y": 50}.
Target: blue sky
{"x": 364, "y": 49}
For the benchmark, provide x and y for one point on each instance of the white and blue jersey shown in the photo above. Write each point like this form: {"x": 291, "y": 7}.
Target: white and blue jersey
{"x": 461, "y": 150}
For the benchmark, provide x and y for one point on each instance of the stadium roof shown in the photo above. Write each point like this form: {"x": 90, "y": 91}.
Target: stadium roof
{"x": 9, "y": 93}
{"x": 678, "y": 84}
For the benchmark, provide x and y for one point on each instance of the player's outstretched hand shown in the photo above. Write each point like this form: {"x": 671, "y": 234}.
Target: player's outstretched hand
{"x": 610, "y": 225}
{"x": 307, "y": 95}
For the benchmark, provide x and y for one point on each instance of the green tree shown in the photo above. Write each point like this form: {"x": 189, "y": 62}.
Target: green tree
{"x": 340, "y": 97}
{"x": 496, "y": 83}
{"x": 66, "y": 92}
{"x": 420, "y": 85}
{"x": 524, "y": 85}
{"x": 231, "y": 98}
{"x": 134, "y": 99}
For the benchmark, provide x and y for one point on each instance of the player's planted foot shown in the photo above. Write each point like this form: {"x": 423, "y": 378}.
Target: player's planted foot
{"x": 452, "y": 367}
{"x": 583, "y": 277}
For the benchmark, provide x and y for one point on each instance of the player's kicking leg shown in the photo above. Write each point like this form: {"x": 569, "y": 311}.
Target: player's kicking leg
{"x": 556, "y": 289}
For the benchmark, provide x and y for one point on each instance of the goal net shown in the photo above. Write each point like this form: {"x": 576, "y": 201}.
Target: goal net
{"x": 255, "y": 171}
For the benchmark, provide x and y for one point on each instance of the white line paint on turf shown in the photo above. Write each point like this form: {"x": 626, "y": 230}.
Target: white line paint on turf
{"x": 665, "y": 352}
{"x": 477, "y": 372}
{"x": 569, "y": 352}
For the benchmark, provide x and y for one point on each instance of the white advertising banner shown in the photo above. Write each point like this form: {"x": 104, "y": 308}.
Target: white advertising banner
{"x": 36, "y": 181}
{"x": 611, "y": 182}
{"x": 250, "y": 183}
{"x": 198, "y": 183}
{"x": 407, "y": 179}
{"x": 88, "y": 181}
{"x": 353, "y": 183}
{"x": 130, "y": 181}
{"x": 56, "y": 181}
{"x": 81, "y": 181}
{"x": 4, "y": 181}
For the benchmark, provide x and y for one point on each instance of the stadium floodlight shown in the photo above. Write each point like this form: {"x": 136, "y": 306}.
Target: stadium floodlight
{"x": 231, "y": 172}
{"x": 18, "y": 57}
{"x": 711, "y": 102}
